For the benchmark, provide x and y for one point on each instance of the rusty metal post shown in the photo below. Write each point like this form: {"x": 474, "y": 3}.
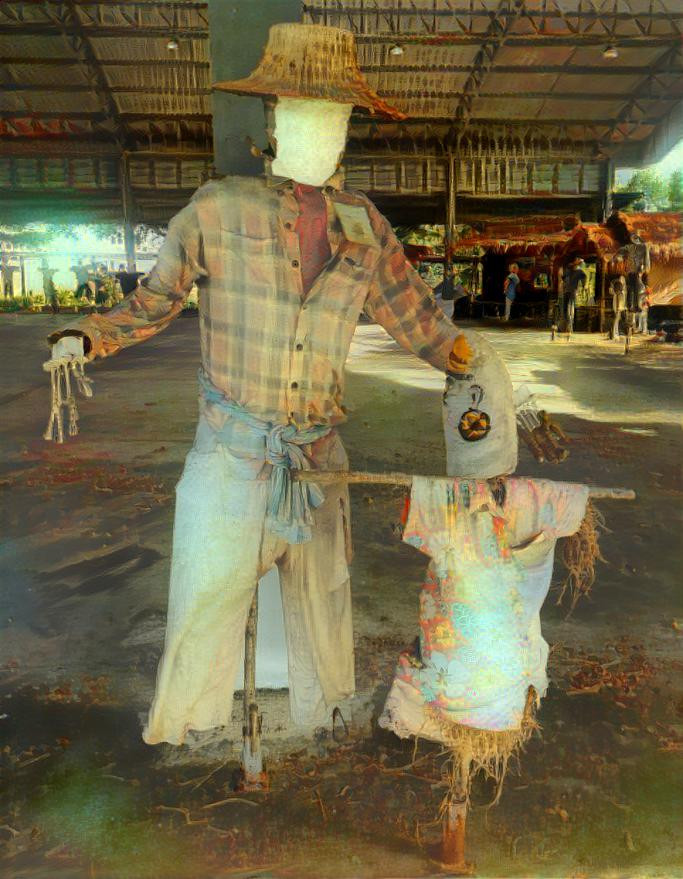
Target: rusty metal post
{"x": 453, "y": 844}
{"x": 451, "y": 854}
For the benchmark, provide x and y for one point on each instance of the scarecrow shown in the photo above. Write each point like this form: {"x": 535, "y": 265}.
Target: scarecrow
{"x": 285, "y": 264}
{"x": 478, "y": 669}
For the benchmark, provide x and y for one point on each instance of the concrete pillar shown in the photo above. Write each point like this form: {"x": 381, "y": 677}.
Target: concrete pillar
{"x": 237, "y": 34}
{"x": 22, "y": 270}
{"x": 127, "y": 205}
{"x": 129, "y": 243}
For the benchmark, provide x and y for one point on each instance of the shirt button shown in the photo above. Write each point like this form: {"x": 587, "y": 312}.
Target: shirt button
{"x": 295, "y": 263}
{"x": 295, "y": 385}
{"x": 299, "y": 347}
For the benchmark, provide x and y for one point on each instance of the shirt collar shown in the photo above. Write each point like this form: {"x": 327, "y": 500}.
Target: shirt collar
{"x": 334, "y": 183}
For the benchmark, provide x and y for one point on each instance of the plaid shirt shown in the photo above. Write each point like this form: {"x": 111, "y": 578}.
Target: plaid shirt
{"x": 265, "y": 343}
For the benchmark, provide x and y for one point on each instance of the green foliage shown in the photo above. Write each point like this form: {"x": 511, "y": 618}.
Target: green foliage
{"x": 676, "y": 190}
{"x": 653, "y": 185}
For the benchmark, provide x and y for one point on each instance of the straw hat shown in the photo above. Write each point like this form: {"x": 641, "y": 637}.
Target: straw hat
{"x": 310, "y": 61}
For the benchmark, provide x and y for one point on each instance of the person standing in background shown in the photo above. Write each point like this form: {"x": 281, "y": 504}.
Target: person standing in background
{"x": 81, "y": 272}
{"x": 645, "y": 300}
{"x": 49, "y": 289}
{"x": 637, "y": 260}
{"x": 510, "y": 289}
{"x": 574, "y": 279}
{"x": 618, "y": 290}
{"x": 128, "y": 281}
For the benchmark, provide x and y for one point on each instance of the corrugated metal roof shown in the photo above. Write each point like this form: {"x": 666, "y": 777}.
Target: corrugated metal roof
{"x": 33, "y": 46}
{"x": 148, "y": 49}
{"x": 44, "y": 102}
{"x": 441, "y": 73}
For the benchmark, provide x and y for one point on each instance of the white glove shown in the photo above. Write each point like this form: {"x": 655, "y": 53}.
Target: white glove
{"x": 68, "y": 347}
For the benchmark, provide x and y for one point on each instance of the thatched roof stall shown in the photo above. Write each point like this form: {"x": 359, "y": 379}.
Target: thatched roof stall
{"x": 543, "y": 245}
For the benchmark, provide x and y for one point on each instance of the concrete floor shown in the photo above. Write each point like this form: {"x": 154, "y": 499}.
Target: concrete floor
{"x": 84, "y": 562}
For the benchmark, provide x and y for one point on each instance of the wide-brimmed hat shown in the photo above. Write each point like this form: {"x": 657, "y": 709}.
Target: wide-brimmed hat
{"x": 311, "y": 61}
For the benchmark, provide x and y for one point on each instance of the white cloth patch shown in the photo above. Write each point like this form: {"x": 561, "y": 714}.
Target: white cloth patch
{"x": 310, "y": 137}
{"x": 356, "y": 224}
{"x": 482, "y": 397}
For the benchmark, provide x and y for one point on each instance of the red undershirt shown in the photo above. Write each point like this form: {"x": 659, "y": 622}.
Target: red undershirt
{"x": 311, "y": 227}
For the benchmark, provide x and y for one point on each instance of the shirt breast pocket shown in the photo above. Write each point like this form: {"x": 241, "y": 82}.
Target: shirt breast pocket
{"x": 534, "y": 553}
{"x": 249, "y": 261}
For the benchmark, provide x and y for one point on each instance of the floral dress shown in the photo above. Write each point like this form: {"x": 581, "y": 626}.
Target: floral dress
{"x": 480, "y": 645}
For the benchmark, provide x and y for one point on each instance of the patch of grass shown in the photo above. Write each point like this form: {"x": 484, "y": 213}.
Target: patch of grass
{"x": 99, "y": 820}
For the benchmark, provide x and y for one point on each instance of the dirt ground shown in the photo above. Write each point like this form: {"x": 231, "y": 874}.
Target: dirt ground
{"x": 84, "y": 560}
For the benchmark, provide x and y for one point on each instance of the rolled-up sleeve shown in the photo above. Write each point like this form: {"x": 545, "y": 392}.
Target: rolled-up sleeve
{"x": 401, "y": 302}
{"x": 159, "y": 296}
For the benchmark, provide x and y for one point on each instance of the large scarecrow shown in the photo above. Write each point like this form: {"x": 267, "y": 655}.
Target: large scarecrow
{"x": 285, "y": 264}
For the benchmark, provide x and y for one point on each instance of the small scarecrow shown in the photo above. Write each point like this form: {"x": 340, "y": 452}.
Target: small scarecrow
{"x": 478, "y": 669}
{"x": 285, "y": 264}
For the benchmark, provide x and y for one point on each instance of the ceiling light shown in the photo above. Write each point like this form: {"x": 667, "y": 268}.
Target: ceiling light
{"x": 172, "y": 44}
{"x": 396, "y": 50}
{"x": 610, "y": 53}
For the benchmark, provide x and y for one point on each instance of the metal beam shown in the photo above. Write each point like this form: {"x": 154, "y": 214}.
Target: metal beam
{"x": 540, "y": 39}
{"x": 472, "y": 12}
{"x": 68, "y": 115}
{"x": 563, "y": 122}
{"x": 133, "y": 30}
{"x": 128, "y": 4}
{"x": 497, "y": 34}
{"x": 114, "y": 90}
{"x": 71, "y": 62}
{"x": 385, "y": 93}
{"x": 520, "y": 95}
{"x": 606, "y": 70}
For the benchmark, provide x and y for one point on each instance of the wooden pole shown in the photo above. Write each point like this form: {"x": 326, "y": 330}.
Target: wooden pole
{"x": 253, "y": 775}
{"x": 22, "y": 269}
{"x": 328, "y": 477}
{"x": 452, "y": 186}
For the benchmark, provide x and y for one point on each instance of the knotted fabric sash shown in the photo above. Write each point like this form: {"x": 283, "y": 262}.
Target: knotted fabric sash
{"x": 288, "y": 511}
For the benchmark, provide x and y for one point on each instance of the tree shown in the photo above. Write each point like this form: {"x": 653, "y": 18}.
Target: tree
{"x": 676, "y": 190}
{"x": 651, "y": 184}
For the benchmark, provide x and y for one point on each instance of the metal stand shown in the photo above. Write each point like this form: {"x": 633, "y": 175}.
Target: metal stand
{"x": 253, "y": 775}
{"x": 630, "y": 326}
{"x": 450, "y": 854}
{"x": 452, "y": 858}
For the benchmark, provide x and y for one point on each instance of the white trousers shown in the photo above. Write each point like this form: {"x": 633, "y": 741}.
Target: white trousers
{"x": 508, "y": 307}
{"x": 220, "y": 550}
